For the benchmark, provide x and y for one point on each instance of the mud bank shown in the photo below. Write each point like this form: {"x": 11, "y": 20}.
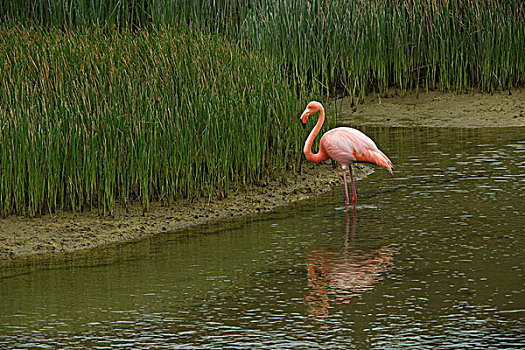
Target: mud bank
{"x": 434, "y": 109}
{"x": 64, "y": 233}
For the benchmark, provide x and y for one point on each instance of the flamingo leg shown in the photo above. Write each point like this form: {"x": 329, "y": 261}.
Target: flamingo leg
{"x": 346, "y": 187}
{"x": 354, "y": 198}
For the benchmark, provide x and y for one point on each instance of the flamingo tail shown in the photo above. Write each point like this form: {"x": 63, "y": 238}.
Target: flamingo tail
{"x": 377, "y": 157}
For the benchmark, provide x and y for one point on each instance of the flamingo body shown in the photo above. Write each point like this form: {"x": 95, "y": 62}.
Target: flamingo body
{"x": 347, "y": 146}
{"x": 344, "y": 145}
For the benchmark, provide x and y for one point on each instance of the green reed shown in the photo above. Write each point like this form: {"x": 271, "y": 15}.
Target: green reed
{"x": 90, "y": 120}
{"x": 332, "y": 45}
{"x": 135, "y": 111}
{"x": 216, "y": 15}
{"x": 362, "y": 46}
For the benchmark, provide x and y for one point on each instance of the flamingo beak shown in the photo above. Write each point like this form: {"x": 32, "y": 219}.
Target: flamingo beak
{"x": 304, "y": 117}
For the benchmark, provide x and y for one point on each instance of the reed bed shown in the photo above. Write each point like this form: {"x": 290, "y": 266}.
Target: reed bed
{"x": 103, "y": 103}
{"x": 363, "y": 46}
{"x": 91, "y": 121}
{"x": 328, "y": 46}
{"x": 217, "y": 15}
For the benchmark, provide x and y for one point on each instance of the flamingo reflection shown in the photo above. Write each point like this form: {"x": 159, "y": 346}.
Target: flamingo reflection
{"x": 343, "y": 275}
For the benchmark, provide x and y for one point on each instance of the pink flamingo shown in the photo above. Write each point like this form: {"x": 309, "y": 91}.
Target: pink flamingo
{"x": 344, "y": 145}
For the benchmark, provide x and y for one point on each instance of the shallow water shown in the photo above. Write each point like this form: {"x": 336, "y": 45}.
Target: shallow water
{"x": 432, "y": 258}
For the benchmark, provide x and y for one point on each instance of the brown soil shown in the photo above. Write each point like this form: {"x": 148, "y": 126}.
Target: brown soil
{"x": 434, "y": 109}
{"x": 22, "y": 237}
{"x": 67, "y": 232}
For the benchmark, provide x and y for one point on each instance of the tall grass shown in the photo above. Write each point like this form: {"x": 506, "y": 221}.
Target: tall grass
{"x": 362, "y": 46}
{"x": 357, "y": 46}
{"x": 223, "y": 15}
{"x": 103, "y": 103}
{"x": 89, "y": 120}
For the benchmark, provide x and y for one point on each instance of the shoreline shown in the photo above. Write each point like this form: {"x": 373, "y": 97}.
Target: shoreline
{"x": 435, "y": 109}
{"x": 22, "y": 237}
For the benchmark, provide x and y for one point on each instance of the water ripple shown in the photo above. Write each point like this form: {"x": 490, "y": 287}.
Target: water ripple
{"x": 432, "y": 259}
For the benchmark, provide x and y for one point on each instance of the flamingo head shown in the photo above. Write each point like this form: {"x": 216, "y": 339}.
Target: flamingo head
{"x": 311, "y": 108}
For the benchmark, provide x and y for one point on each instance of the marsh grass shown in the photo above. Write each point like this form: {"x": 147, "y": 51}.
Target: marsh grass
{"x": 364, "y": 46}
{"x": 218, "y": 15}
{"x": 103, "y": 103}
{"x": 90, "y": 120}
{"x": 327, "y": 46}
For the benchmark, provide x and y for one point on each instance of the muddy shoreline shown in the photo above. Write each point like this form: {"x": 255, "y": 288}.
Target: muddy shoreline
{"x": 435, "y": 109}
{"x": 65, "y": 233}
{"x": 22, "y": 237}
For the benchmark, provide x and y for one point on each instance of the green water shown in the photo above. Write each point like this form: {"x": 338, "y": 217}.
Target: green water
{"x": 431, "y": 259}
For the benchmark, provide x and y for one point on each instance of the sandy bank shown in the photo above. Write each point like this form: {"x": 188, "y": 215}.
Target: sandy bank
{"x": 434, "y": 109}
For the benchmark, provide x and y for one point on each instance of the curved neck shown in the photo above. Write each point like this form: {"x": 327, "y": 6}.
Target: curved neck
{"x": 321, "y": 156}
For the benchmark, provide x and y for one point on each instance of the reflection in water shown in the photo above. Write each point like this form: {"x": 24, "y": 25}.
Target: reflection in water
{"x": 343, "y": 275}
{"x": 452, "y": 215}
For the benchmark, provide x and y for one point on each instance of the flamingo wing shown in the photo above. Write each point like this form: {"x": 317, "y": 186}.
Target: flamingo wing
{"x": 347, "y": 146}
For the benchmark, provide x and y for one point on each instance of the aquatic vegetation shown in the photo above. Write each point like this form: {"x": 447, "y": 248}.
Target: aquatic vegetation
{"x": 353, "y": 46}
{"x": 363, "y": 46}
{"x": 89, "y": 119}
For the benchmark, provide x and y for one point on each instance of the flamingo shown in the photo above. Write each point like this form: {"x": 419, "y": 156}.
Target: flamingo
{"x": 344, "y": 145}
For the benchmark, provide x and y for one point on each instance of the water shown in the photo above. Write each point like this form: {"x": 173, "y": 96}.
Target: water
{"x": 432, "y": 259}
